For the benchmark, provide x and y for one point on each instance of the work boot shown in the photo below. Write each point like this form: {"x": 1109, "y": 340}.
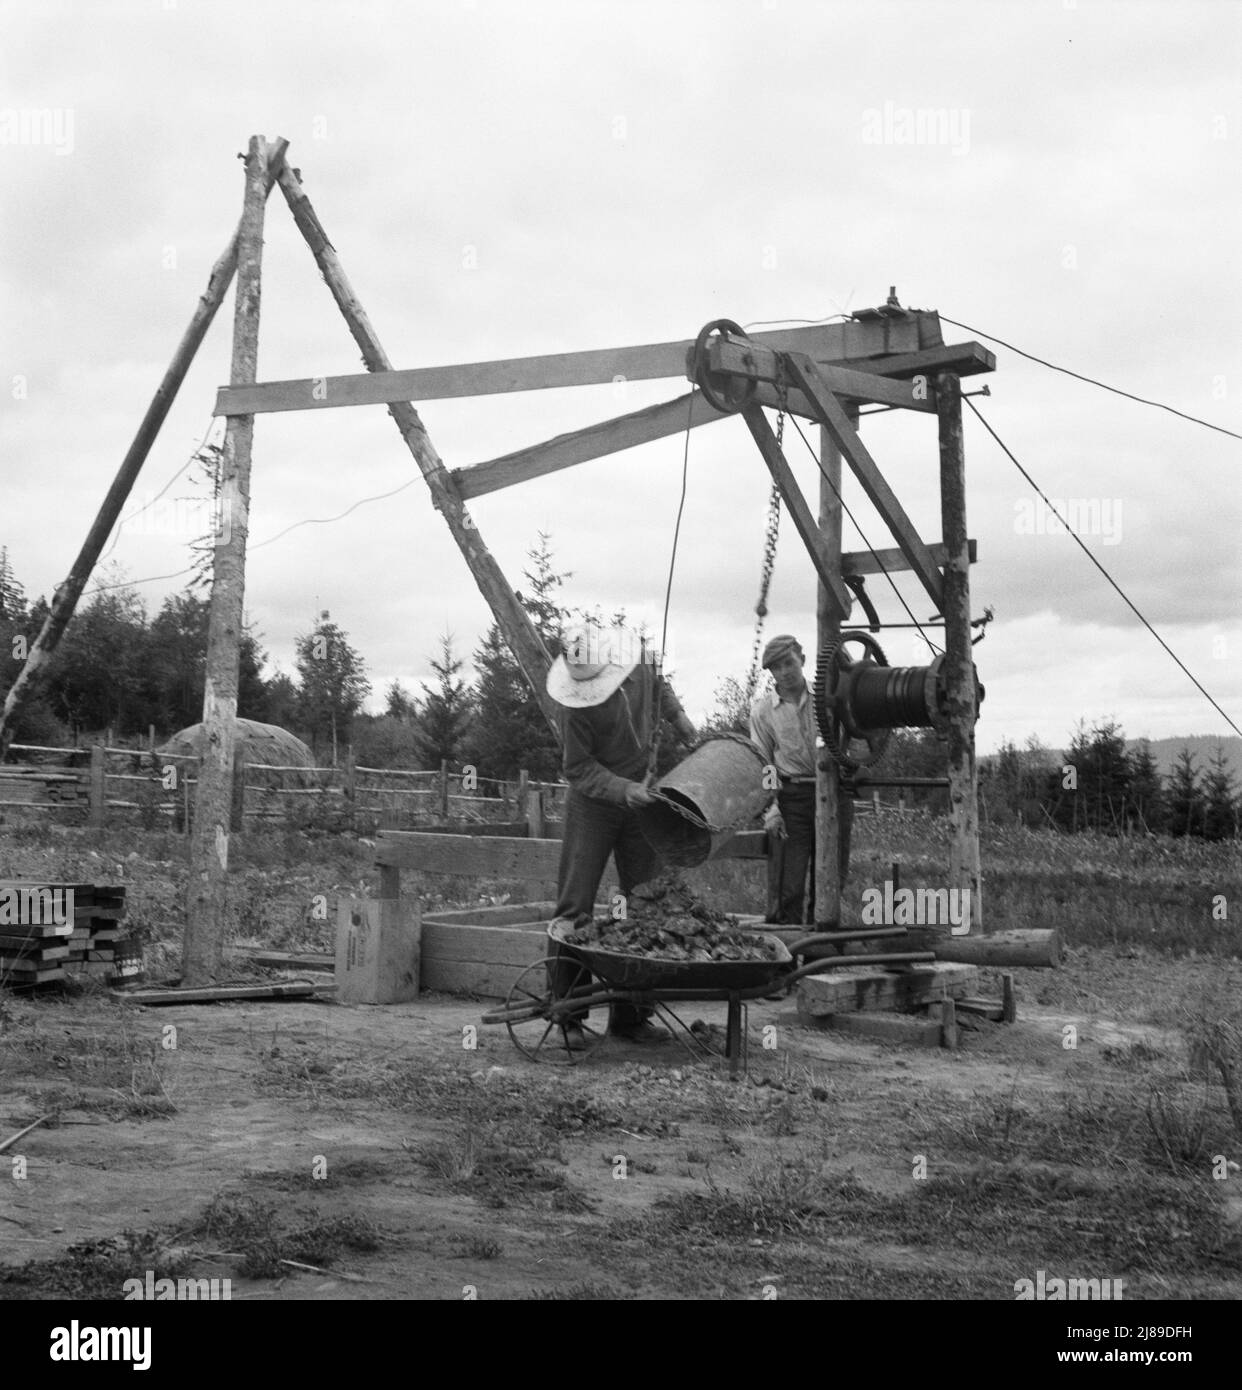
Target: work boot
{"x": 643, "y": 1031}
{"x": 575, "y": 1038}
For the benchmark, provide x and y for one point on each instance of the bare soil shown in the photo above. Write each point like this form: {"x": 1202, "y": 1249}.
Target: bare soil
{"x": 407, "y": 1151}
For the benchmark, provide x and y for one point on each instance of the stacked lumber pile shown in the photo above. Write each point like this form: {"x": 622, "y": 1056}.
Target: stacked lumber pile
{"x": 43, "y": 938}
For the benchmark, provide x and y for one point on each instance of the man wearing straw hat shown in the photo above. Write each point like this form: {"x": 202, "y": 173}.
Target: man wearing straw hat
{"x": 612, "y": 698}
{"x": 782, "y": 724}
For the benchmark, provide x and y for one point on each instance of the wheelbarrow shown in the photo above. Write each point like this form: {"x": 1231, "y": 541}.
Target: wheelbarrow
{"x": 537, "y": 1021}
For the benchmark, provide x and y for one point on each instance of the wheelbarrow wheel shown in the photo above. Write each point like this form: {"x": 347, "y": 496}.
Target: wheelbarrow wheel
{"x": 536, "y": 1021}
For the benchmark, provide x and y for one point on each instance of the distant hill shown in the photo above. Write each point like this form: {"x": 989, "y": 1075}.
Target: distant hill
{"x": 1166, "y": 750}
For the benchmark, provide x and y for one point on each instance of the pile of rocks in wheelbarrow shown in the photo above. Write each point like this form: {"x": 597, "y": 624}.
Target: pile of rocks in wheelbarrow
{"x": 664, "y": 919}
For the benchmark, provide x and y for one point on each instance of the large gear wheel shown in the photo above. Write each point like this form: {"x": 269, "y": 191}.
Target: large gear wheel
{"x": 839, "y": 739}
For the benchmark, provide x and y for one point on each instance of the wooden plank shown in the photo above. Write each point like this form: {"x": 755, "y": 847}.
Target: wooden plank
{"x": 504, "y": 915}
{"x": 597, "y": 367}
{"x": 291, "y": 960}
{"x": 499, "y": 856}
{"x": 216, "y": 994}
{"x": 833, "y": 417}
{"x": 966, "y": 359}
{"x": 489, "y": 980}
{"x": 515, "y": 945}
{"x": 9, "y": 956}
{"x": 892, "y": 561}
{"x": 762, "y": 363}
{"x": 804, "y": 523}
{"x": 857, "y": 989}
{"x": 746, "y": 844}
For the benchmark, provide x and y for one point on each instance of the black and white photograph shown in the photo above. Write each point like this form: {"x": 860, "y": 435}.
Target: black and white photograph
{"x": 620, "y": 666}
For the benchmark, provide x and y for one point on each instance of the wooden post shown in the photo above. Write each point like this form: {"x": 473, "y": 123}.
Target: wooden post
{"x": 523, "y": 788}
{"x": 203, "y": 949}
{"x": 444, "y": 786}
{"x": 65, "y": 599}
{"x": 237, "y": 796}
{"x": 828, "y": 629}
{"x": 186, "y": 816}
{"x": 964, "y": 867}
{"x": 532, "y": 809}
{"x": 514, "y": 622}
{"x": 151, "y": 738}
{"x": 98, "y": 784}
{"x": 350, "y": 779}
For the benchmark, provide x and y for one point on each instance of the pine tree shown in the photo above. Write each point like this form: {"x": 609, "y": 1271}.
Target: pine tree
{"x": 446, "y": 711}
{"x": 1220, "y": 811}
{"x": 509, "y": 732}
{"x": 12, "y": 596}
{"x": 333, "y": 685}
{"x": 1147, "y": 802}
{"x": 399, "y": 703}
{"x": 1184, "y": 797}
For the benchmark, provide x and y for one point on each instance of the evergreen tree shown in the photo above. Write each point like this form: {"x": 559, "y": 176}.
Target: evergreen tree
{"x": 282, "y": 702}
{"x": 731, "y": 713}
{"x": 446, "y": 711}
{"x": 509, "y": 732}
{"x": 399, "y": 704}
{"x": 333, "y": 685}
{"x": 12, "y": 597}
{"x": 1220, "y": 811}
{"x": 1184, "y": 796}
{"x": 1146, "y": 789}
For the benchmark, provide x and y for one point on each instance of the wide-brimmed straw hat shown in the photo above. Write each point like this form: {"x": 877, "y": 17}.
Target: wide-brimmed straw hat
{"x": 589, "y": 671}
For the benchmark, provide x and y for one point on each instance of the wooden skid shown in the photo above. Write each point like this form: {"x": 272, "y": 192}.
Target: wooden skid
{"x": 898, "y": 1028}
{"x": 858, "y": 989}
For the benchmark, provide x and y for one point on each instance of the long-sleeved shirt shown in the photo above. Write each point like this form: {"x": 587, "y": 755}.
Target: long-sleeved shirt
{"x": 606, "y": 746}
{"x": 785, "y": 732}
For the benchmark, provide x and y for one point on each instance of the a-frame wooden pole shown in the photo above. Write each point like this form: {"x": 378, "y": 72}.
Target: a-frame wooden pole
{"x": 203, "y": 948}
{"x": 964, "y": 866}
{"x": 67, "y": 594}
{"x": 828, "y": 810}
{"x": 515, "y": 626}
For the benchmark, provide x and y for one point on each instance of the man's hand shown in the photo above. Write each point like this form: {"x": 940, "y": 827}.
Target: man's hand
{"x": 774, "y": 822}
{"x": 638, "y": 794}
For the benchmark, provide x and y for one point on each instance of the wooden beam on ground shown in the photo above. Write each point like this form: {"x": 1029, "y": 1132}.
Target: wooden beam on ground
{"x": 217, "y": 994}
{"x": 825, "y": 562}
{"x": 512, "y": 619}
{"x": 832, "y": 415}
{"x": 855, "y": 989}
{"x": 66, "y": 597}
{"x": 893, "y": 561}
{"x": 600, "y": 367}
{"x": 202, "y": 952}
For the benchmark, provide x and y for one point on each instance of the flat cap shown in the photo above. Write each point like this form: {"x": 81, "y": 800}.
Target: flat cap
{"x": 780, "y": 646}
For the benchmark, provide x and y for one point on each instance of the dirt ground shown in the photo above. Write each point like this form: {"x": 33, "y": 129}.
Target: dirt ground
{"x": 316, "y": 1151}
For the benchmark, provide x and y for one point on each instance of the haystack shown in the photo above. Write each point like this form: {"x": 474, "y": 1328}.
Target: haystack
{"x": 256, "y": 743}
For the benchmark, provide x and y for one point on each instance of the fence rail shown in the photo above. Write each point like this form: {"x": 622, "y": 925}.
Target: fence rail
{"x": 345, "y": 796}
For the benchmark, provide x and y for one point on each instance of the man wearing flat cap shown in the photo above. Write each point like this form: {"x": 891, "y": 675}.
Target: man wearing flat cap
{"x": 612, "y": 697}
{"x": 782, "y": 724}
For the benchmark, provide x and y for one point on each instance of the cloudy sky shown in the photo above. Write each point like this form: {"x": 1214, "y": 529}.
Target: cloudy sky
{"x": 505, "y": 179}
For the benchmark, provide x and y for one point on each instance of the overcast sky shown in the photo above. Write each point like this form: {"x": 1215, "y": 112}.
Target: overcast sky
{"x": 511, "y": 179}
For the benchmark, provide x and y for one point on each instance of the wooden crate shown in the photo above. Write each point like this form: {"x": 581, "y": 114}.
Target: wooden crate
{"x": 483, "y": 950}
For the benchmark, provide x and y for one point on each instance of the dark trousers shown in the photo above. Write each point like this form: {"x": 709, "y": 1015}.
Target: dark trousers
{"x": 791, "y": 861}
{"x": 593, "y": 831}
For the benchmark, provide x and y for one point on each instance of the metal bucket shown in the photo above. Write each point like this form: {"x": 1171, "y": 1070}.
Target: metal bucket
{"x": 720, "y": 783}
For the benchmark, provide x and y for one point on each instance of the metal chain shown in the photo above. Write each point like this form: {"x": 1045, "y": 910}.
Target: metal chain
{"x": 770, "y": 539}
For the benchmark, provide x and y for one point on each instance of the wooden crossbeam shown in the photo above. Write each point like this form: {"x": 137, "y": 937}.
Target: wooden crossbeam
{"x": 832, "y": 416}
{"x": 826, "y": 342}
{"x": 966, "y": 359}
{"x": 893, "y": 561}
{"x": 803, "y": 518}
{"x": 761, "y": 363}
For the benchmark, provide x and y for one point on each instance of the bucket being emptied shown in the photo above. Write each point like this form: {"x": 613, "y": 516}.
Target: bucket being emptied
{"x": 721, "y": 785}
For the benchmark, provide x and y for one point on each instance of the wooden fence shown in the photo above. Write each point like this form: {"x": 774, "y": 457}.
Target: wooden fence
{"x": 102, "y": 785}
